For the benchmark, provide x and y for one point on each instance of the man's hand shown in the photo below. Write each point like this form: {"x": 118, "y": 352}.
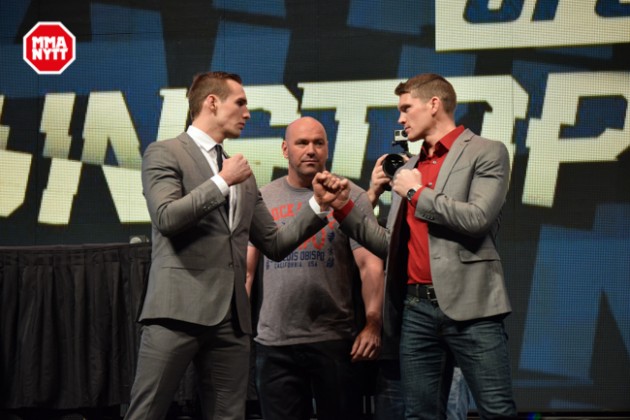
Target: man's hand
{"x": 406, "y": 179}
{"x": 235, "y": 169}
{"x": 343, "y": 195}
{"x": 367, "y": 345}
{"x": 327, "y": 188}
{"x": 378, "y": 181}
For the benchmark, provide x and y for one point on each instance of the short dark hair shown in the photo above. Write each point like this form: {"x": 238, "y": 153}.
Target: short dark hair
{"x": 427, "y": 85}
{"x": 204, "y": 84}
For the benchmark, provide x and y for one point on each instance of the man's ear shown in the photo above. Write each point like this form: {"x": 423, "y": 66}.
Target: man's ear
{"x": 211, "y": 102}
{"x": 436, "y": 104}
{"x": 285, "y": 149}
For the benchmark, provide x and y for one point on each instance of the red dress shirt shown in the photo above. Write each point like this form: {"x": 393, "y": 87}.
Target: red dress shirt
{"x": 419, "y": 262}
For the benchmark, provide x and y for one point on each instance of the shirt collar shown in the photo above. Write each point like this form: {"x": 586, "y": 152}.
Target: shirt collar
{"x": 445, "y": 143}
{"x": 202, "y": 140}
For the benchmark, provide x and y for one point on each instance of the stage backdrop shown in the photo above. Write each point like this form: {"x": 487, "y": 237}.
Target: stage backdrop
{"x": 550, "y": 79}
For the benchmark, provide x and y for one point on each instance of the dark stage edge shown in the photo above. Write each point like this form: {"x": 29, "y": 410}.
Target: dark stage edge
{"x": 114, "y": 413}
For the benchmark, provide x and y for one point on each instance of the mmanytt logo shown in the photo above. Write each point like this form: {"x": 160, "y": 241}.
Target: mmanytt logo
{"x": 49, "y": 48}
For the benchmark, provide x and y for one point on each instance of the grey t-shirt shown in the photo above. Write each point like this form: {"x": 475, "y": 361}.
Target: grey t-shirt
{"x": 307, "y": 297}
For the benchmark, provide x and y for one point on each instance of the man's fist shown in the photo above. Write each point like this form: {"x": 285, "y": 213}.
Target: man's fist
{"x": 328, "y": 190}
{"x": 235, "y": 169}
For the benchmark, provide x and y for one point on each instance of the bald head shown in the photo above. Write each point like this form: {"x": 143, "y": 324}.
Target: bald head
{"x": 305, "y": 146}
{"x": 304, "y": 124}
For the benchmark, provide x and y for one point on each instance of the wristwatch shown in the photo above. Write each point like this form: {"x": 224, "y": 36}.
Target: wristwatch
{"x": 412, "y": 192}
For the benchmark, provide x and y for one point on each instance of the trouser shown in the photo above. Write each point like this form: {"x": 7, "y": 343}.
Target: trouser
{"x": 388, "y": 397}
{"x": 431, "y": 343}
{"x": 220, "y": 356}
{"x": 289, "y": 377}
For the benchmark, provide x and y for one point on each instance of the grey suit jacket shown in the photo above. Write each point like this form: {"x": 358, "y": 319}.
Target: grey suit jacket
{"x": 198, "y": 263}
{"x": 463, "y": 212}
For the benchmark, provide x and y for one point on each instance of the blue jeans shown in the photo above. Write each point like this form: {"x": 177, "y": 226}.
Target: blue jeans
{"x": 430, "y": 345}
{"x": 388, "y": 396}
{"x": 289, "y": 377}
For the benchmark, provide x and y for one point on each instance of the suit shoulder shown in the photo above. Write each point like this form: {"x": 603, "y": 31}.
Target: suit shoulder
{"x": 476, "y": 138}
{"x": 486, "y": 144}
{"x": 164, "y": 144}
{"x": 162, "y": 154}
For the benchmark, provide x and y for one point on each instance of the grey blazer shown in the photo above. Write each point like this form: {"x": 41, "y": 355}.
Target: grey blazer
{"x": 463, "y": 212}
{"x": 198, "y": 263}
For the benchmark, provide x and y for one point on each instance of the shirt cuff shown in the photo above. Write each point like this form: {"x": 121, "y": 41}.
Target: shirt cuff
{"x": 344, "y": 211}
{"x": 223, "y": 186}
{"x": 317, "y": 209}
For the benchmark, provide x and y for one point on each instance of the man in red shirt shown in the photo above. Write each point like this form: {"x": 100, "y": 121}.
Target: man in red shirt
{"x": 445, "y": 296}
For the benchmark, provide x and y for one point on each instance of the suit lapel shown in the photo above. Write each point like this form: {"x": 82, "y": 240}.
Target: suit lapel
{"x": 201, "y": 164}
{"x": 237, "y": 203}
{"x": 239, "y": 192}
{"x": 451, "y": 158}
{"x": 197, "y": 155}
{"x": 396, "y": 210}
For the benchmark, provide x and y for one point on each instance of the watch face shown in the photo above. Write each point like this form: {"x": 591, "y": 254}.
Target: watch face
{"x": 411, "y": 193}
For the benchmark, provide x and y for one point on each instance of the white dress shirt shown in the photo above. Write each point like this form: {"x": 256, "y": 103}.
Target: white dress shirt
{"x": 207, "y": 146}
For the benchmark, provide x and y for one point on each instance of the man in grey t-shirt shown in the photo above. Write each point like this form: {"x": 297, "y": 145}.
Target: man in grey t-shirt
{"x": 307, "y": 336}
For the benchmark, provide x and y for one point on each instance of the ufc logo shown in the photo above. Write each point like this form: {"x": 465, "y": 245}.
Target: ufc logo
{"x": 493, "y": 24}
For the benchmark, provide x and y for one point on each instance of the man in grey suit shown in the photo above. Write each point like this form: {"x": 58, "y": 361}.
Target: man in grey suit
{"x": 445, "y": 296}
{"x": 204, "y": 208}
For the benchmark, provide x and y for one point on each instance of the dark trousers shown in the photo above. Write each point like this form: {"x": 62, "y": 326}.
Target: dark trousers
{"x": 289, "y": 377}
{"x": 220, "y": 356}
{"x": 388, "y": 396}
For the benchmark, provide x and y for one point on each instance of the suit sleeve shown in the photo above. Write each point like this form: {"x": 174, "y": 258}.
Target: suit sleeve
{"x": 363, "y": 203}
{"x": 171, "y": 208}
{"x": 486, "y": 182}
{"x": 278, "y": 242}
{"x": 363, "y": 227}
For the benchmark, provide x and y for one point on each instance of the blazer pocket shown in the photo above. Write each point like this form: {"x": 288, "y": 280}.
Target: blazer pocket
{"x": 187, "y": 262}
{"x": 483, "y": 254}
{"x": 460, "y": 167}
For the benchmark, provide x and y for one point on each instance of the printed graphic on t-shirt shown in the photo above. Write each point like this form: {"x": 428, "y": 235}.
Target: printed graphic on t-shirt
{"x": 314, "y": 251}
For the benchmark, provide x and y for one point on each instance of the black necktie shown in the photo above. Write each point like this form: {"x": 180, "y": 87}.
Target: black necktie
{"x": 219, "y": 150}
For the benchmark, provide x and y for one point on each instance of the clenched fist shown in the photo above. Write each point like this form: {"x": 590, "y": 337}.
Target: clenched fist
{"x": 330, "y": 190}
{"x": 235, "y": 169}
{"x": 406, "y": 179}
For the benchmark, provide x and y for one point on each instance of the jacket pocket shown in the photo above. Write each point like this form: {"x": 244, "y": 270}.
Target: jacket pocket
{"x": 482, "y": 254}
{"x": 187, "y": 262}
